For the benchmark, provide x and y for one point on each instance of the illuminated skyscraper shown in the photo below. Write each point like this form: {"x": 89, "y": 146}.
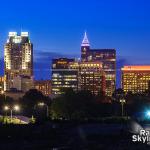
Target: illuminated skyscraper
{"x": 108, "y": 59}
{"x": 68, "y": 73}
{"x": 18, "y": 58}
{"x": 92, "y": 77}
{"x": 135, "y": 78}
{"x": 63, "y": 75}
{"x": 85, "y": 48}
{"x": 2, "y": 84}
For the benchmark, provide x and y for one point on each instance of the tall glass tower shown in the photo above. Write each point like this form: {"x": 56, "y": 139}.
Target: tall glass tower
{"x": 108, "y": 59}
{"x": 18, "y": 58}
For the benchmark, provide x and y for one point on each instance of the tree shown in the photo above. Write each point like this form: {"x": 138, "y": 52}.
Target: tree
{"x": 140, "y": 103}
{"x": 31, "y": 99}
{"x": 129, "y": 97}
{"x": 118, "y": 94}
{"x": 6, "y": 101}
{"x": 73, "y": 105}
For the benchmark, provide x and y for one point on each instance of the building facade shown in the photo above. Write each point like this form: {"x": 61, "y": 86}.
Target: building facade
{"x": 2, "y": 84}
{"x": 68, "y": 73}
{"x": 18, "y": 58}
{"x": 63, "y": 75}
{"x": 23, "y": 83}
{"x": 92, "y": 77}
{"x": 105, "y": 56}
{"x": 135, "y": 78}
{"x": 44, "y": 86}
{"x": 14, "y": 93}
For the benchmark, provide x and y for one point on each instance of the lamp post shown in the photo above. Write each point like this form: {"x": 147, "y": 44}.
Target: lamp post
{"x": 122, "y": 101}
{"x": 16, "y": 108}
{"x": 6, "y": 108}
{"x": 3, "y": 93}
{"x": 47, "y": 109}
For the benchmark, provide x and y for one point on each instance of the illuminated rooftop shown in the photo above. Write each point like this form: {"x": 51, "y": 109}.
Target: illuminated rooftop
{"x": 16, "y": 38}
{"x": 13, "y": 34}
{"x": 91, "y": 64}
{"x": 85, "y": 41}
{"x": 136, "y": 68}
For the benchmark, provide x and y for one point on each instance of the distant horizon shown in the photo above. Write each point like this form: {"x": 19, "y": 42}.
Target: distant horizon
{"x": 42, "y": 61}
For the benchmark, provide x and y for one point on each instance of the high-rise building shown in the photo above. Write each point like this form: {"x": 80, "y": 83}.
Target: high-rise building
{"x": 18, "y": 58}
{"x": 135, "y": 78}
{"x": 85, "y": 49}
{"x": 44, "y": 86}
{"x": 92, "y": 77}
{"x": 108, "y": 59}
{"x": 2, "y": 84}
{"x": 68, "y": 73}
{"x": 63, "y": 76}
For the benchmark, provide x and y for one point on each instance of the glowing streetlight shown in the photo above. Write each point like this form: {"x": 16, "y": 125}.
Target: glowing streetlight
{"x": 2, "y": 92}
{"x": 122, "y": 101}
{"x": 47, "y": 109}
{"x": 6, "y": 108}
{"x": 15, "y": 108}
{"x": 148, "y": 114}
{"x": 41, "y": 104}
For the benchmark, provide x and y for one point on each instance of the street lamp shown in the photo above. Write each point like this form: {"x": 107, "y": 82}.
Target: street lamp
{"x": 15, "y": 108}
{"x": 6, "y": 108}
{"x": 147, "y": 114}
{"x": 122, "y": 101}
{"x": 41, "y": 104}
{"x": 2, "y": 92}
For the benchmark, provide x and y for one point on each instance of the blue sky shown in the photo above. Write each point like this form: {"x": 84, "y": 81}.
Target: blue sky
{"x": 56, "y": 28}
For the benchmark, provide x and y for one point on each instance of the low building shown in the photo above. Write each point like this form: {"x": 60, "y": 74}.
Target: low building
{"x": 14, "y": 93}
{"x": 44, "y": 86}
{"x": 135, "y": 78}
{"x": 23, "y": 83}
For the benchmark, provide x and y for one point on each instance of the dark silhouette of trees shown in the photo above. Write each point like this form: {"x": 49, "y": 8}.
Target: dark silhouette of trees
{"x": 118, "y": 94}
{"x": 6, "y": 100}
{"x": 81, "y": 105}
{"x": 73, "y": 105}
{"x": 31, "y": 99}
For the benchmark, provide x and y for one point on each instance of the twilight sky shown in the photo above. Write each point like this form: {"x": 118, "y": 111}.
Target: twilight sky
{"x": 56, "y": 28}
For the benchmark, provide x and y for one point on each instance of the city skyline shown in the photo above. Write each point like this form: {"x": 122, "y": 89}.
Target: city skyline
{"x": 74, "y": 74}
{"x": 120, "y": 64}
{"x": 109, "y": 24}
